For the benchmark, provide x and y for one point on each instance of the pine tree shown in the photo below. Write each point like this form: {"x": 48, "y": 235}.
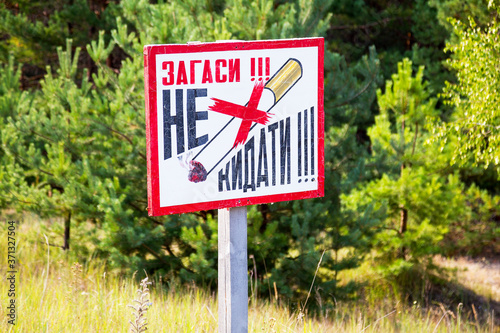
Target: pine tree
{"x": 398, "y": 29}
{"x": 75, "y": 148}
{"x": 414, "y": 198}
{"x": 33, "y": 30}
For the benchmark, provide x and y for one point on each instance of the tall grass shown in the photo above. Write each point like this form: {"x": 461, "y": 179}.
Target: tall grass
{"x": 55, "y": 293}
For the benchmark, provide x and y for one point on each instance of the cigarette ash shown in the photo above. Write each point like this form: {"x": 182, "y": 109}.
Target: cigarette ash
{"x": 196, "y": 171}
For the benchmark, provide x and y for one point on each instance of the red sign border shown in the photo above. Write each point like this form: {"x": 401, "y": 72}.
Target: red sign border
{"x": 150, "y": 52}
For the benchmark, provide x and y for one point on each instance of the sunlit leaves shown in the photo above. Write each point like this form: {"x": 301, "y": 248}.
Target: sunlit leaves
{"x": 475, "y": 95}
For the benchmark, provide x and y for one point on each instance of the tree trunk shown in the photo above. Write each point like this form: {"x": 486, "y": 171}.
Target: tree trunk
{"x": 67, "y": 228}
{"x": 402, "y": 228}
{"x": 403, "y": 223}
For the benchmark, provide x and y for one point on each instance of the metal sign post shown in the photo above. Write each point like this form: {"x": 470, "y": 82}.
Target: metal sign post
{"x": 233, "y": 275}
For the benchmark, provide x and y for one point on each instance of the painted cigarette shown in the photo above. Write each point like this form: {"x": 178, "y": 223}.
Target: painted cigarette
{"x": 203, "y": 163}
{"x": 284, "y": 79}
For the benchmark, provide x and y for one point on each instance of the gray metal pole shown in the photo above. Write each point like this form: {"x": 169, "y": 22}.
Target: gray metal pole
{"x": 233, "y": 266}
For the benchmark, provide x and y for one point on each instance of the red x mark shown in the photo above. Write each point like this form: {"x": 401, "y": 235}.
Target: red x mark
{"x": 248, "y": 113}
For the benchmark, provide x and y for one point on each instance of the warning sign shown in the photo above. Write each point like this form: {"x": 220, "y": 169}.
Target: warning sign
{"x": 233, "y": 123}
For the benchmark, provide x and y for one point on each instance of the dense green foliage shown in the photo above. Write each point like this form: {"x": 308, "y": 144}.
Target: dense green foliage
{"x": 476, "y": 122}
{"x": 73, "y": 136}
{"x": 414, "y": 199}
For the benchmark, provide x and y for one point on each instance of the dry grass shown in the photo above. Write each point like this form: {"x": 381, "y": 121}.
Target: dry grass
{"x": 481, "y": 276}
{"x": 57, "y": 294}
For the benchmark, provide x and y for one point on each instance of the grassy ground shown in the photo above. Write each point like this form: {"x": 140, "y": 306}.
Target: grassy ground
{"x": 482, "y": 276}
{"x": 55, "y": 294}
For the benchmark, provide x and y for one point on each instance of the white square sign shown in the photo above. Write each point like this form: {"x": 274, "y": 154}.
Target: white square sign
{"x": 233, "y": 123}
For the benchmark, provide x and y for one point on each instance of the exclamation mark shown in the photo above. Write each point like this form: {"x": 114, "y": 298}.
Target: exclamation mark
{"x": 260, "y": 68}
{"x": 268, "y": 68}
{"x": 299, "y": 145}
{"x": 312, "y": 143}
{"x": 252, "y": 68}
{"x": 305, "y": 145}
